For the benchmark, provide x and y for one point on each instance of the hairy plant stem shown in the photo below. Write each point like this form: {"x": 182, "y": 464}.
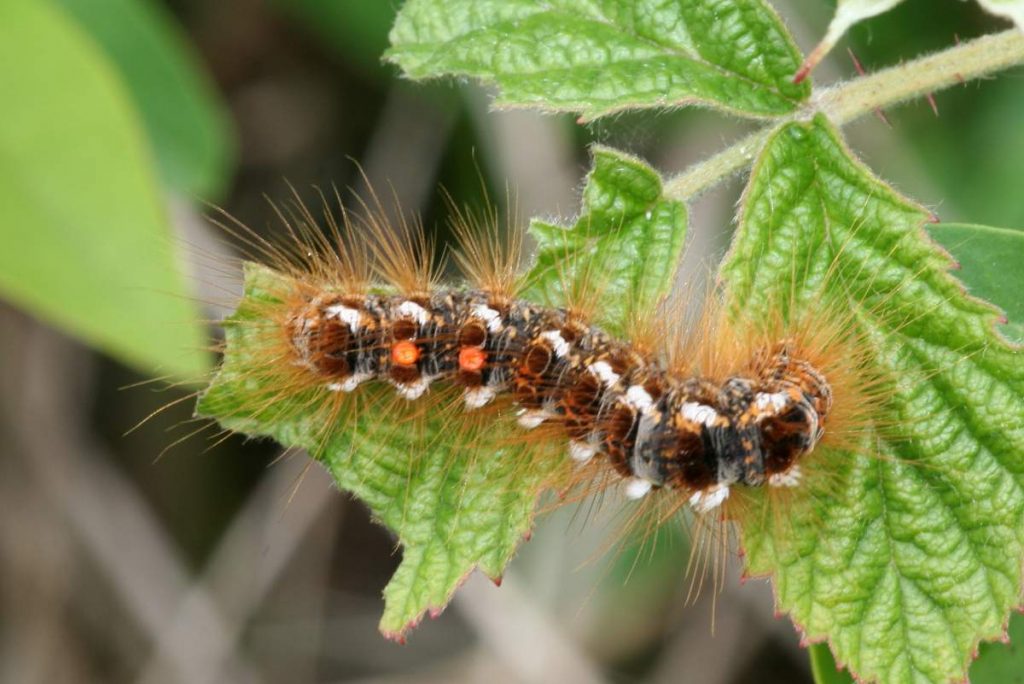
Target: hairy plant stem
{"x": 850, "y": 100}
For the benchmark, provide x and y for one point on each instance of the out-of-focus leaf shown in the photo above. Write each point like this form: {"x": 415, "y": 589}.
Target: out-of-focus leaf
{"x": 183, "y": 115}
{"x": 917, "y": 554}
{"x": 848, "y": 13}
{"x": 84, "y": 239}
{"x": 992, "y": 267}
{"x": 603, "y": 56}
{"x": 1008, "y": 9}
{"x": 356, "y": 30}
{"x": 961, "y": 170}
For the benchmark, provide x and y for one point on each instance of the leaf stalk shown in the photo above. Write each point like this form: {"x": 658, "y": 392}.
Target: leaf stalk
{"x": 850, "y": 100}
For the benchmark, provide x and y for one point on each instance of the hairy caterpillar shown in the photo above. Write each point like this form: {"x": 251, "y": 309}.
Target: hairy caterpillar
{"x": 655, "y": 427}
{"x": 355, "y": 327}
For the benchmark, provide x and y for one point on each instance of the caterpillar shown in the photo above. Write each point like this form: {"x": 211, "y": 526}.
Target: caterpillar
{"x": 350, "y": 326}
{"x": 656, "y": 428}
{"x": 688, "y": 413}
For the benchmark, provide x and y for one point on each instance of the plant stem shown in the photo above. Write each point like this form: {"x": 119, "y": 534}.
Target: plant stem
{"x": 850, "y": 100}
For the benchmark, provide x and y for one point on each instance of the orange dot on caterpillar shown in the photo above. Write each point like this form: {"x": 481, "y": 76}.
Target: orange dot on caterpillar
{"x": 472, "y": 358}
{"x": 405, "y": 353}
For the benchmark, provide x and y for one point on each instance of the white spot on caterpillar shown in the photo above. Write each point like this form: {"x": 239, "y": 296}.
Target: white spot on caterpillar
{"x": 709, "y": 499}
{"x": 352, "y": 317}
{"x": 475, "y": 397}
{"x": 637, "y": 488}
{"x": 604, "y": 373}
{"x": 787, "y": 478}
{"x": 531, "y": 419}
{"x": 816, "y": 428}
{"x": 581, "y": 452}
{"x": 558, "y": 342}
{"x": 638, "y": 398}
{"x": 414, "y": 311}
{"x": 702, "y": 414}
{"x": 414, "y": 390}
{"x": 776, "y": 401}
{"x": 489, "y": 316}
{"x": 349, "y": 383}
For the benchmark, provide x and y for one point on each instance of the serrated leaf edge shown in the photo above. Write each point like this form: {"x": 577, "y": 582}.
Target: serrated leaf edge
{"x": 994, "y": 318}
{"x": 588, "y": 114}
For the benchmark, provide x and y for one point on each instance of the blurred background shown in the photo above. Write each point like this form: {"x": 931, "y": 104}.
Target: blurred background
{"x": 124, "y": 121}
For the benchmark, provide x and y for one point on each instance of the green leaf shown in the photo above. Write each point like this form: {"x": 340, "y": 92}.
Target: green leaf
{"x": 85, "y": 239}
{"x": 992, "y": 266}
{"x": 1002, "y": 663}
{"x": 186, "y": 121}
{"x": 601, "y": 56}
{"x": 996, "y": 663}
{"x": 453, "y": 508}
{"x": 627, "y": 241}
{"x": 916, "y": 556}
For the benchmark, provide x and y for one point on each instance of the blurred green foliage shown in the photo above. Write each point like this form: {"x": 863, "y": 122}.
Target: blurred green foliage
{"x": 83, "y": 221}
{"x": 966, "y": 158}
{"x": 356, "y": 31}
{"x": 188, "y": 126}
{"x": 823, "y": 666}
{"x": 990, "y": 260}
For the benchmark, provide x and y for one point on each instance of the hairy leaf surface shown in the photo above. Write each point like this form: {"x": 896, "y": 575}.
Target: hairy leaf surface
{"x": 600, "y": 56}
{"x": 918, "y": 554}
{"x": 626, "y": 243}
